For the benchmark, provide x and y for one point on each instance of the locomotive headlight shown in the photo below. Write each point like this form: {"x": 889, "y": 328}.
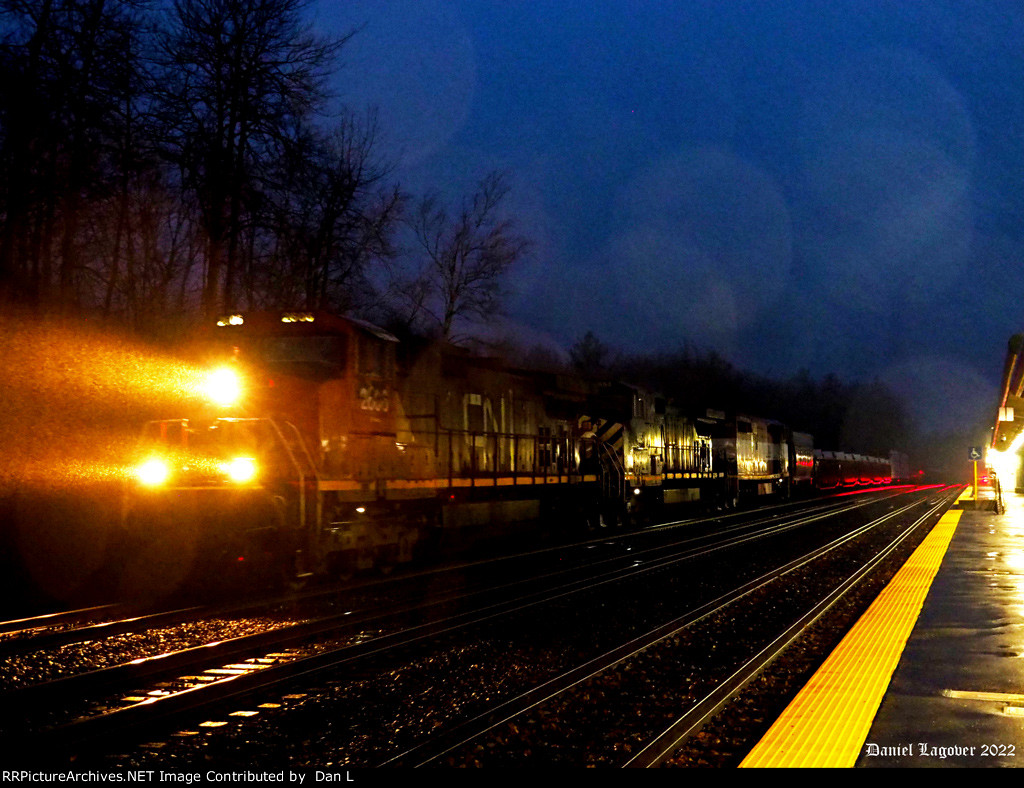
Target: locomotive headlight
{"x": 241, "y": 469}
{"x": 223, "y": 386}
{"x": 153, "y": 473}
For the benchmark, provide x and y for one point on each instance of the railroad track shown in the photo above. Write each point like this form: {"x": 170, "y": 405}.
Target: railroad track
{"x": 216, "y": 675}
{"x": 457, "y": 745}
{"x": 25, "y": 627}
{"x": 44, "y": 633}
{"x": 661, "y": 748}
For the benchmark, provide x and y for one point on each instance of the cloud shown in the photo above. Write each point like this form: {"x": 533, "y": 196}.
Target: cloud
{"x": 944, "y": 394}
{"x": 415, "y": 62}
{"x": 700, "y": 248}
{"x": 884, "y": 213}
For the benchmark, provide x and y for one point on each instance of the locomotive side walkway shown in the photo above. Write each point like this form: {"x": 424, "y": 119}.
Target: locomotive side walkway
{"x": 933, "y": 673}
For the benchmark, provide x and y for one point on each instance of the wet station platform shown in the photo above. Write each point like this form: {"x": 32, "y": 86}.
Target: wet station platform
{"x": 932, "y": 676}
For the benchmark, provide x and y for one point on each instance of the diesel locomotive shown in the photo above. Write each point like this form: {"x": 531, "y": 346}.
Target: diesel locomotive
{"x": 327, "y": 446}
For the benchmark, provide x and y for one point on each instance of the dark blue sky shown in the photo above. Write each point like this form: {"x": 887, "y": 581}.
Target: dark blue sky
{"x": 834, "y": 186}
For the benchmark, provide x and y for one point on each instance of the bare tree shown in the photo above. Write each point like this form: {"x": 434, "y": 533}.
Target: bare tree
{"x": 240, "y": 77}
{"x": 461, "y": 258}
{"x": 589, "y": 355}
{"x": 333, "y": 214}
{"x": 70, "y": 69}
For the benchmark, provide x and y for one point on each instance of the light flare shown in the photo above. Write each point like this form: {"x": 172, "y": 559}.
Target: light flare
{"x": 223, "y": 387}
{"x": 241, "y": 470}
{"x": 1006, "y": 463}
{"x": 153, "y": 472}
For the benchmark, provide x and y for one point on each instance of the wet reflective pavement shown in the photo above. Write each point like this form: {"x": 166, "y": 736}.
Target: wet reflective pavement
{"x": 956, "y": 698}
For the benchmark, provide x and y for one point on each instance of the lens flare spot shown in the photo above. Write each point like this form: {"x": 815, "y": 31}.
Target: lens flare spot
{"x": 223, "y": 386}
{"x": 241, "y": 470}
{"x": 153, "y": 472}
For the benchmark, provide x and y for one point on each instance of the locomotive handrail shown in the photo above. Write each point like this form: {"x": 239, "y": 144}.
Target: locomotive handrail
{"x": 445, "y": 439}
{"x": 620, "y": 471}
{"x": 298, "y": 468}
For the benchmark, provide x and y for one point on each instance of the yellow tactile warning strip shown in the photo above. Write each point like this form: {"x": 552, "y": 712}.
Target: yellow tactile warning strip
{"x": 827, "y": 722}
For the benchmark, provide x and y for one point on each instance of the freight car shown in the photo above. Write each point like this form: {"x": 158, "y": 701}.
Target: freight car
{"x": 899, "y": 467}
{"x": 839, "y": 469}
{"x": 801, "y": 463}
{"x": 338, "y": 448}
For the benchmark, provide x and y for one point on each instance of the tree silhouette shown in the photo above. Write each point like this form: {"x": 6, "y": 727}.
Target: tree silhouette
{"x": 460, "y": 258}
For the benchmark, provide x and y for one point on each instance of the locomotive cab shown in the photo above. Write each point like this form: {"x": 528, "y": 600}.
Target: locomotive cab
{"x": 331, "y": 382}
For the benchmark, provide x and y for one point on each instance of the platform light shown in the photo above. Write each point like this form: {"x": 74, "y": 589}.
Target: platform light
{"x": 1006, "y": 462}
{"x": 231, "y": 320}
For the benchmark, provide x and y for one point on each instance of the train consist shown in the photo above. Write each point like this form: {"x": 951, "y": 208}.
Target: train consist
{"x": 328, "y": 446}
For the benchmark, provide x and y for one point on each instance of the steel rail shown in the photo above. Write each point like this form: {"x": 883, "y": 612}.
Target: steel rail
{"x": 430, "y": 752}
{"x": 661, "y": 748}
{"x": 142, "y": 716}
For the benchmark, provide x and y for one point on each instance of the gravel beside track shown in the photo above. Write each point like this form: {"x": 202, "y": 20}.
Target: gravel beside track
{"x": 725, "y": 741}
{"x": 92, "y": 651}
{"x": 34, "y": 667}
{"x": 607, "y": 719}
{"x": 367, "y": 718}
